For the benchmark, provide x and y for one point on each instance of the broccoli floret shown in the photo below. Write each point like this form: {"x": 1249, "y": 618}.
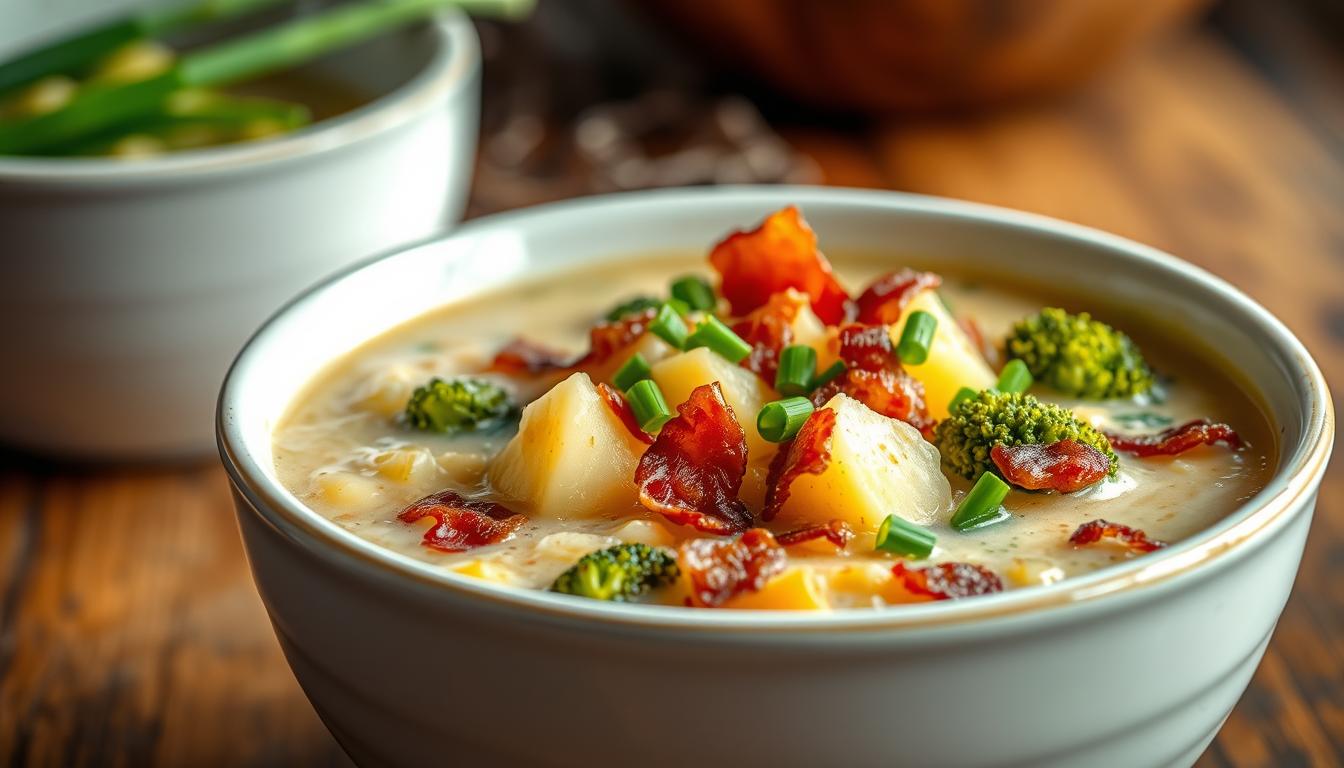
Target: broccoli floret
{"x": 977, "y": 424}
{"x": 458, "y": 405}
{"x": 619, "y": 573}
{"x": 1079, "y": 356}
{"x": 633, "y": 307}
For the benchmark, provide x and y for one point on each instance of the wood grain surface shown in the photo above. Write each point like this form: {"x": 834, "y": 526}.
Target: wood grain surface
{"x": 130, "y": 633}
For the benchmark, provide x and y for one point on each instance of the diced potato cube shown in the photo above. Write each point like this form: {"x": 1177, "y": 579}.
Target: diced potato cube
{"x": 646, "y": 532}
{"x": 386, "y": 391}
{"x": 486, "y": 570}
{"x": 797, "y": 589}
{"x": 878, "y": 466}
{"x": 346, "y": 490}
{"x": 1033, "y": 571}
{"x": 744, "y": 392}
{"x": 954, "y": 362}
{"x": 408, "y": 465}
{"x": 572, "y": 456}
{"x": 650, "y": 346}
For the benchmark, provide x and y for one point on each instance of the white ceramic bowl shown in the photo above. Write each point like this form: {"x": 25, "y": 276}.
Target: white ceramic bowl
{"x": 127, "y": 286}
{"x": 1135, "y": 665}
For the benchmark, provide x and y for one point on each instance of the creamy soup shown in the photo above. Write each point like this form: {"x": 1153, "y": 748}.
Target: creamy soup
{"x": 582, "y": 479}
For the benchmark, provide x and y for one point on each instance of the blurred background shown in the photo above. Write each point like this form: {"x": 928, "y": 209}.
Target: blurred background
{"x": 129, "y": 630}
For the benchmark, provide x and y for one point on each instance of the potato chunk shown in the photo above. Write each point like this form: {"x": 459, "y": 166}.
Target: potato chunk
{"x": 572, "y": 457}
{"x": 954, "y": 362}
{"x": 878, "y": 466}
{"x": 796, "y": 589}
{"x": 744, "y": 392}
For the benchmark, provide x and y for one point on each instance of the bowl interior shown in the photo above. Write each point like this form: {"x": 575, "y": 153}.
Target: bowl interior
{"x": 320, "y": 326}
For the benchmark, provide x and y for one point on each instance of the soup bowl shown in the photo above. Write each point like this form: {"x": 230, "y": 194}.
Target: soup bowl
{"x": 1133, "y": 665}
{"x": 128, "y": 285}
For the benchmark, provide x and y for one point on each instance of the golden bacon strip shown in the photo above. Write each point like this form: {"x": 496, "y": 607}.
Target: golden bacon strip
{"x": 781, "y": 253}
{"x": 837, "y": 532}
{"x": 884, "y": 301}
{"x": 874, "y": 377}
{"x": 1132, "y": 538}
{"x": 461, "y": 524}
{"x": 1065, "y": 466}
{"x": 1177, "y": 440}
{"x": 692, "y": 472}
{"x": 809, "y": 452}
{"x": 719, "y": 569}
{"x": 948, "y": 581}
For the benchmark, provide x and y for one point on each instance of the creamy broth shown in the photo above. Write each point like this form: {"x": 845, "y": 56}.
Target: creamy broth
{"x": 342, "y": 451}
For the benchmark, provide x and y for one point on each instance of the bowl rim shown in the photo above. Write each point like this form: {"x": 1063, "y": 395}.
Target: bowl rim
{"x": 456, "y": 57}
{"x": 1285, "y": 496}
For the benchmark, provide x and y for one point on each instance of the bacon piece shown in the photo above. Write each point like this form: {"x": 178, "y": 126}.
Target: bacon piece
{"x": 809, "y": 452}
{"x": 1134, "y": 539}
{"x": 693, "y": 471}
{"x": 522, "y": 356}
{"x": 837, "y": 532}
{"x": 719, "y": 569}
{"x": 781, "y": 253}
{"x": 874, "y": 377}
{"x": 461, "y": 524}
{"x": 885, "y": 300}
{"x": 769, "y": 329}
{"x": 948, "y": 580}
{"x": 1177, "y": 440}
{"x": 619, "y": 406}
{"x": 607, "y": 338}
{"x": 1065, "y": 466}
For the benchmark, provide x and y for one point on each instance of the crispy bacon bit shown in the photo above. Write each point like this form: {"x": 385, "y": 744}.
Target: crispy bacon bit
{"x": 619, "y": 406}
{"x": 521, "y": 356}
{"x": 769, "y": 329}
{"x": 719, "y": 569}
{"x": 1065, "y": 466}
{"x": 836, "y": 532}
{"x": 1177, "y": 440}
{"x": 461, "y": 524}
{"x": 809, "y": 452}
{"x": 885, "y": 299}
{"x": 948, "y": 580}
{"x": 1134, "y": 539}
{"x": 781, "y": 253}
{"x": 606, "y": 339}
{"x": 875, "y": 377}
{"x": 693, "y": 471}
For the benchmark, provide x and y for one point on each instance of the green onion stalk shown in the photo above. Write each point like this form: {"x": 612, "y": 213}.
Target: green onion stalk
{"x": 100, "y": 107}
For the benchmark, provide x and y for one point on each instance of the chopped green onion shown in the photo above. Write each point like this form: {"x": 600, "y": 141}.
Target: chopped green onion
{"x": 829, "y": 375}
{"x": 797, "y": 364}
{"x": 650, "y": 409}
{"x": 634, "y": 306}
{"x": 902, "y": 537}
{"x": 695, "y": 292}
{"x": 963, "y": 394}
{"x": 1015, "y": 377}
{"x": 631, "y": 372}
{"x": 780, "y": 420}
{"x": 682, "y": 307}
{"x": 913, "y": 347}
{"x": 712, "y": 333}
{"x": 669, "y": 326}
{"x": 982, "y": 504}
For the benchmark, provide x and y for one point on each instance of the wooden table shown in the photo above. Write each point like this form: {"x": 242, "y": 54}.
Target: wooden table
{"x": 130, "y": 633}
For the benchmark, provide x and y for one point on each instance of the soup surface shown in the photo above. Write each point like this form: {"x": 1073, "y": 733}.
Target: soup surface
{"x": 580, "y": 479}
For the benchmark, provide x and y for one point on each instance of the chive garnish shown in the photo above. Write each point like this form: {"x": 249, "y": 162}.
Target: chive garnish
{"x": 963, "y": 394}
{"x": 797, "y": 364}
{"x": 780, "y": 420}
{"x": 913, "y": 347}
{"x": 712, "y": 333}
{"x": 1015, "y": 377}
{"x": 829, "y": 375}
{"x": 631, "y": 372}
{"x": 648, "y": 405}
{"x": 902, "y": 537}
{"x": 668, "y": 326}
{"x": 695, "y": 292}
{"x": 981, "y": 505}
